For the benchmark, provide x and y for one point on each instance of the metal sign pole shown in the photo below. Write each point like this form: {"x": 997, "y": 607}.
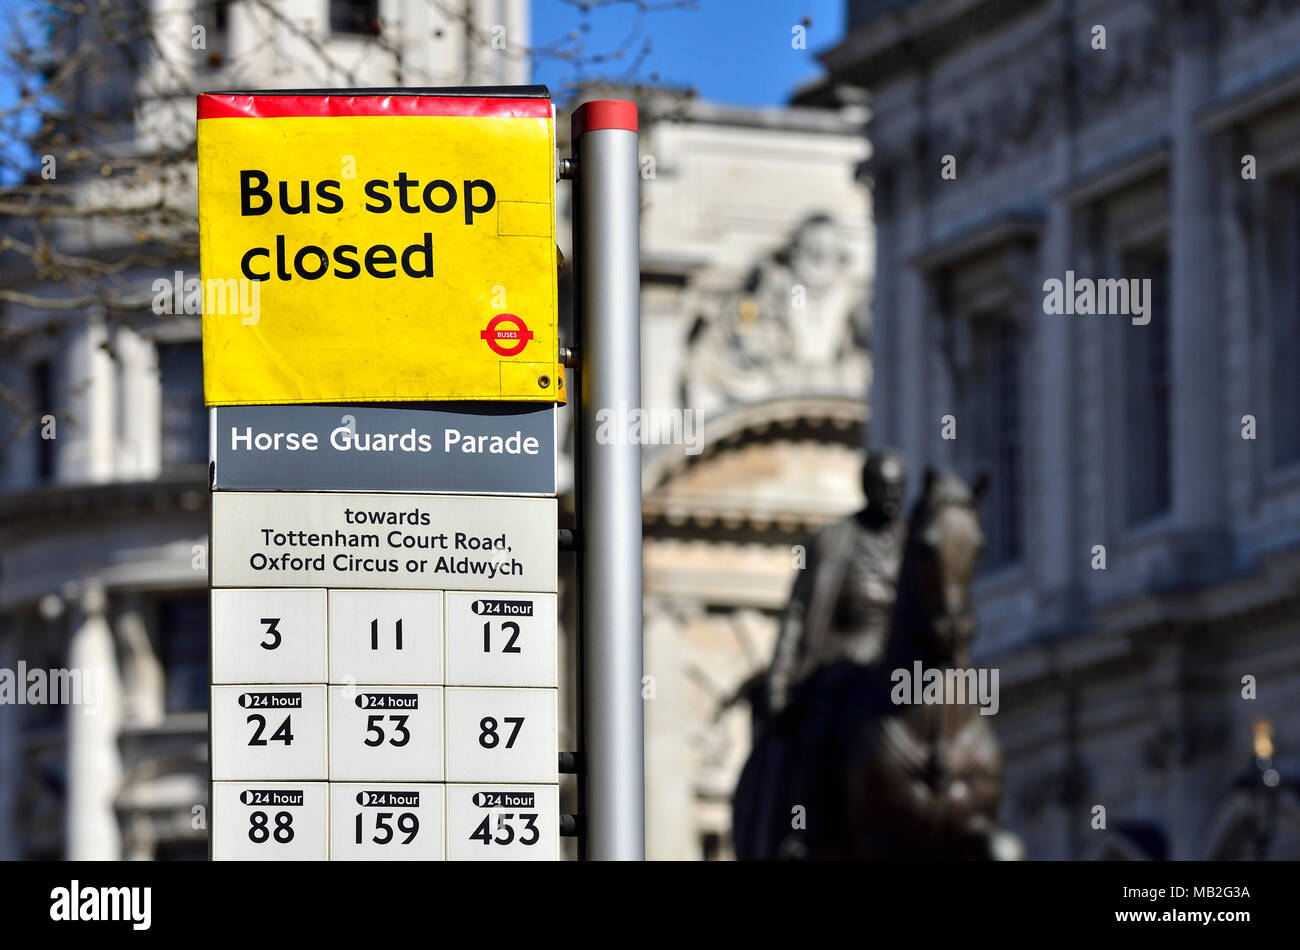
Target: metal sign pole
{"x": 606, "y": 241}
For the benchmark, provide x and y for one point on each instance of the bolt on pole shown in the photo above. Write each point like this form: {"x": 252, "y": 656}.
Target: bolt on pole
{"x": 608, "y": 291}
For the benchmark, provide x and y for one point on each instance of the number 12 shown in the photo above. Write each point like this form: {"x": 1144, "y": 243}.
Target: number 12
{"x": 508, "y": 627}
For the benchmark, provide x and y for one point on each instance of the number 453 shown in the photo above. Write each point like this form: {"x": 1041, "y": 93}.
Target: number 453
{"x": 504, "y": 825}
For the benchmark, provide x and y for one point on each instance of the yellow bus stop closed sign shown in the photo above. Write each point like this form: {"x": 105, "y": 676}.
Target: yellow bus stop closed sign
{"x": 377, "y": 248}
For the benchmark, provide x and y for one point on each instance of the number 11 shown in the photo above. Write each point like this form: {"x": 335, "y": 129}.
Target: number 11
{"x": 374, "y": 634}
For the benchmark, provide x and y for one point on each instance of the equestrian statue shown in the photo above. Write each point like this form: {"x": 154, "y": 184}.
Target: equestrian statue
{"x": 839, "y": 768}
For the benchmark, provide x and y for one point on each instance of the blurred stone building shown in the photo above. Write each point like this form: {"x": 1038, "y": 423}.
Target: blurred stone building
{"x": 104, "y": 441}
{"x": 756, "y": 259}
{"x": 1016, "y": 141}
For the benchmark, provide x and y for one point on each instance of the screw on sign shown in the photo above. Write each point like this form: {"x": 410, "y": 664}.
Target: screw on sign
{"x": 498, "y": 337}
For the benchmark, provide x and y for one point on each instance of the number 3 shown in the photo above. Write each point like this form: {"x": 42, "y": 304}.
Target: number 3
{"x": 271, "y": 632}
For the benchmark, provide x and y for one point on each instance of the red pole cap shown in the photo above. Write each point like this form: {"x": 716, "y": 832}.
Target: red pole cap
{"x": 603, "y": 114}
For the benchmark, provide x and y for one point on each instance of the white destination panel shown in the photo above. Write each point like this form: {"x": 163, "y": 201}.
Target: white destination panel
{"x": 268, "y": 731}
{"x": 448, "y": 542}
{"x": 503, "y": 822}
{"x": 386, "y": 636}
{"x": 496, "y": 639}
{"x": 502, "y": 735}
{"x": 386, "y": 733}
{"x": 276, "y": 821}
{"x": 268, "y": 636}
{"x": 379, "y": 822}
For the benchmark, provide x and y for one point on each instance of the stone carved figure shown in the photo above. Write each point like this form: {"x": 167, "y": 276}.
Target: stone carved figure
{"x": 842, "y": 599}
{"x": 791, "y": 327}
{"x": 845, "y": 772}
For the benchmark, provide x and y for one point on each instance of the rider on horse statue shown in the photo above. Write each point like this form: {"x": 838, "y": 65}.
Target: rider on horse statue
{"x": 842, "y": 600}
{"x": 840, "y": 768}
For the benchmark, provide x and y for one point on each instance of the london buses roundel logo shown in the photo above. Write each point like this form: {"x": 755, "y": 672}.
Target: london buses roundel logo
{"x": 506, "y": 334}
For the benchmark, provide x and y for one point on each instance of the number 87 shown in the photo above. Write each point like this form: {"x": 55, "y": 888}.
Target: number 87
{"x": 487, "y": 736}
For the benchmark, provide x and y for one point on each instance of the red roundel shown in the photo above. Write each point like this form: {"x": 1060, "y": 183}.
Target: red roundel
{"x": 509, "y": 340}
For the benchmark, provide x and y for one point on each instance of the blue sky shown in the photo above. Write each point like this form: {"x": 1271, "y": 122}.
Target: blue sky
{"x": 731, "y": 51}
{"x": 735, "y": 51}
{"x": 11, "y": 150}
{"x": 728, "y": 50}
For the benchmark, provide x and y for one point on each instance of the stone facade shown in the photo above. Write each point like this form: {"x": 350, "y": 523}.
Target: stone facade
{"x": 1016, "y": 141}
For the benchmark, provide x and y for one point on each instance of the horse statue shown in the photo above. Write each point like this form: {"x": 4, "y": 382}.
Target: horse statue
{"x": 847, "y": 770}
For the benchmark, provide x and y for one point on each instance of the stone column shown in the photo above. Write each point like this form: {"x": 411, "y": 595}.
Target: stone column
{"x": 85, "y": 400}
{"x": 882, "y": 427}
{"x": 487, "y": 66}
{"x": 1195, "y": 351}
{"x": 140, "y": 446}
{"x": 170, "y": 68}
{"x": 669, "y": 767}
{"x": 517, "y": 23}
{"x": 94, "y": 762}
{"x": 143, "y": 687}
{"x": 917, "y": 418}
{"x": 946, "y": 335}
{"x": 1053, "y": 548}
{"x": 11, "y": 771}
{"x": 1097, "y": 512}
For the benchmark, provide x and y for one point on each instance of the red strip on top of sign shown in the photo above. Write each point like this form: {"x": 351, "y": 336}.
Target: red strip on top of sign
{"x": 246, "y": 106}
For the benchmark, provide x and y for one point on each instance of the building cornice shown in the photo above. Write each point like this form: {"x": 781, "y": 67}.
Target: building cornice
{"x": 828, "y": 420}
{"x": 42, "y": 508}
{"x": 1121, "y": 637}
{"x": 1118, "y": 173}
{"x": 907, "y": 38}
{"x": 1276, "y": 89}
{"x": 997, "y": 230}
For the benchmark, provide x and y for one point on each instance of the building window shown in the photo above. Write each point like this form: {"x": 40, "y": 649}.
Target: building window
{"x": 43, "y": 405}
{"x": 1284, "y": 350}
{"x": 183, "y": 650}
{"x": 359, "y": 17}
{"x": 995, "y": 392}
{"x": 1146, "y": 395}
{"x": 184, "y": 417}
